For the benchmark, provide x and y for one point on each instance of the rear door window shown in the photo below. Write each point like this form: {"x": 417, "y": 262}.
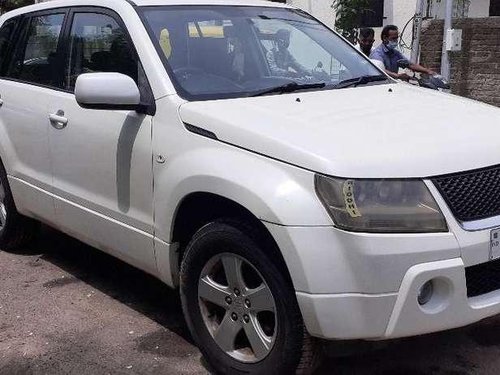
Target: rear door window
{"x": 36, "y": 59}
{"x": 6, "y": 42}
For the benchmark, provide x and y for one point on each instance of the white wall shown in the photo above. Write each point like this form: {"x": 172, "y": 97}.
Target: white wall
{"x": 321, "y": 9}
{"x": 399, "y": 12}
{"x": 477, "y": 8}
{"x": 396, "y": 12}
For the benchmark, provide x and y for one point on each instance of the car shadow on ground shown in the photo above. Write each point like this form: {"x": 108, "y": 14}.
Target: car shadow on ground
{"x": 120, "y": 281}
{"x": 453, "y": 352}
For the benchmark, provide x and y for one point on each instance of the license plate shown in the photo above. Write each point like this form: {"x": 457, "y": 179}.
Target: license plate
{"x": 495, "y": 244}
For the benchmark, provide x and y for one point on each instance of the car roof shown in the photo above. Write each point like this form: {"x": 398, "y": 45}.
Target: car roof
{"x": 117, "y": 3}
{"x": 209, "y": 2}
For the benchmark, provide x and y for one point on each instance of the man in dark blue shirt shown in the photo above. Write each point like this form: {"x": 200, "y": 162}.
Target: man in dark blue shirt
{"x": 389, "y": 55}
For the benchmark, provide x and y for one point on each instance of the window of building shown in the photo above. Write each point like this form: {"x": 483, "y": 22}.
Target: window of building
{"x": 494, "y": 7}
{"x": 373, "y": 16}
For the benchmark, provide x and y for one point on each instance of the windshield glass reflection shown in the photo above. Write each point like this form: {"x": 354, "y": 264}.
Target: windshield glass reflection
{"x": 215, "y": 52}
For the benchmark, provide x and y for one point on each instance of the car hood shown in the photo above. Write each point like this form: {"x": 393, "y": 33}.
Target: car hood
{"x": 382, "y": 131}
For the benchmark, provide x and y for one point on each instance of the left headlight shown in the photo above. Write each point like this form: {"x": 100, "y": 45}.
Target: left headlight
{"x": 383, "y": 206}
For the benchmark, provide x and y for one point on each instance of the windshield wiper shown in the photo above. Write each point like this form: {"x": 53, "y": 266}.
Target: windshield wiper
{"x": 290, "y": 87}
{"x": 264, "y": 17}
{"x": 363, "y": 80}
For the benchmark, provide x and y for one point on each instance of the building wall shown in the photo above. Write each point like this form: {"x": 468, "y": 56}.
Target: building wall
{"x": 396, "y": 12}
{"x": 399, "y": 13}
{"x": 479, "y": 8}
{"x": 475, "y": 9}
{"x": 475, "y": 71}
{"x": 321, "y": 9}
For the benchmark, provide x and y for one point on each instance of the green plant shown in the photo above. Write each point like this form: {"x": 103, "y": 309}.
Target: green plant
{"x": 348, "y": 16}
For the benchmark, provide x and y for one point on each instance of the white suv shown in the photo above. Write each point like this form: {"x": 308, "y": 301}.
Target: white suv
{"x": 245, "y": 153}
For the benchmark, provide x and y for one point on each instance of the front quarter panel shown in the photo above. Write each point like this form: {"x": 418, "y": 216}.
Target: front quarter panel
{"x": 273, "y": 191}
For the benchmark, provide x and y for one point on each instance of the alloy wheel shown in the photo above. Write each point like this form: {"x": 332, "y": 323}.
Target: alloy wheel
{"x": 237, "y": 307}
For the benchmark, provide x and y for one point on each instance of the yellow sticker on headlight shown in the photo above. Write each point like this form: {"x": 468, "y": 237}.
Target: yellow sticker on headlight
{"x": 350, "y": 202}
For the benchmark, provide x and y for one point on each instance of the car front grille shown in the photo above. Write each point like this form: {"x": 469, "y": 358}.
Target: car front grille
{"x": 482, "y": 278}
{"x": 471, "y": 195}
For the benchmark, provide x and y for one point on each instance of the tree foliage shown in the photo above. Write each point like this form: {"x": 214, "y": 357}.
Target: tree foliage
{"x": 349, "y": 15}
{"x": 7, "y": 5}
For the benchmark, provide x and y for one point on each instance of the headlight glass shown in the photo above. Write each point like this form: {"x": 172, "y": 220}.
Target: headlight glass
{"x": 387, "y": 206}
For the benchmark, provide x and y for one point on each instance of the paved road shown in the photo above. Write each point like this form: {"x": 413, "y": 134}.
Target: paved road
{"x": 66, "y": 308}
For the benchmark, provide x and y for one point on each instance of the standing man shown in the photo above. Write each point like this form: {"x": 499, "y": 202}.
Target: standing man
{"x": 389, "y": 55}
{"x": 366, "y": 39}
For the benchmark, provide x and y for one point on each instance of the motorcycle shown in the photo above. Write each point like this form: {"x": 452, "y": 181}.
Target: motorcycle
{"x": 433, "y": 82}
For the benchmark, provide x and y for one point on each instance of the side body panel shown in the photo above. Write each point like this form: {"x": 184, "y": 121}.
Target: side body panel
{"x": 102, "y": 168}
{"x": 24, "y": 146}
{"x": 103, "y": 179}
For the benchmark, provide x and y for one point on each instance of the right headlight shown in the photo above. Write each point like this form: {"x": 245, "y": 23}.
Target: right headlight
{"x": 384, "y": 206}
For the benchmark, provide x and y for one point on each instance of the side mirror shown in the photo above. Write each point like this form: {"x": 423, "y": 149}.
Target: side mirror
{"x": 107, "y": 91}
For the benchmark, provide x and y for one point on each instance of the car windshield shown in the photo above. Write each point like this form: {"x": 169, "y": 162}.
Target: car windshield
{"x": 216, "y": 52}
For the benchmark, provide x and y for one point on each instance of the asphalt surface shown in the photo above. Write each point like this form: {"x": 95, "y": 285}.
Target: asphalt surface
{"x": 66, "y": 308}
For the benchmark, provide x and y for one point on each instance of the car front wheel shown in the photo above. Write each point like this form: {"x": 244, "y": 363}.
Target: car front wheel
{"x": 240, "y": 308}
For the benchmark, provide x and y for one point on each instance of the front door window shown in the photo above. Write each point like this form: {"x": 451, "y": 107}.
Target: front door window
{"x": 98, "y": 44}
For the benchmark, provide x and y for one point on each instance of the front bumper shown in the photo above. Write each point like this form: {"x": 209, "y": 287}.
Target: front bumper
{"x": 394, "y": 315}
{"x": 365, "y": 286}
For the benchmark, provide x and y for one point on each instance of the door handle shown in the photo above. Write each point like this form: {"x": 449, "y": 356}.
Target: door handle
{"x": 1, "y": 101}
{"x": 57, "y": 120}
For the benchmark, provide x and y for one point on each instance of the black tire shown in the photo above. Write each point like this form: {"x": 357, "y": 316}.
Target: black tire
{"x": 15, "y": 230}
{"x": 293, "y": 350}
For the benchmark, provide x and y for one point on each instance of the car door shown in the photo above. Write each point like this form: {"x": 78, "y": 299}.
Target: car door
{"x": 29, "y": 77}
{"x": 102, "y": 159}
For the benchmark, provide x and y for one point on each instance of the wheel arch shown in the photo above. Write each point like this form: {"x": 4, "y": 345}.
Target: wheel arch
{"x": 200, "y": 208}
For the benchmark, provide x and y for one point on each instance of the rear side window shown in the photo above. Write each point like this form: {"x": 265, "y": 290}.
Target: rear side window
{"x": 36, "y": 59}
{"x": 6, "y": 42}
{"x": 98, "y": 44}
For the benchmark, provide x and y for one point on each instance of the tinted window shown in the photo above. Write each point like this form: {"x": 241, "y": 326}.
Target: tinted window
{"x": 373, "y": 14}
{"x": 6, "y": 34}
{"x": 36, "y": 59}
{"x": 98, "y": 44}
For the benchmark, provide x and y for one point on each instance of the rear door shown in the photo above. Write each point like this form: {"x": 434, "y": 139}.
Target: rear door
{"x": 102, "y": 159}
{"x": 30, "y": 75}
